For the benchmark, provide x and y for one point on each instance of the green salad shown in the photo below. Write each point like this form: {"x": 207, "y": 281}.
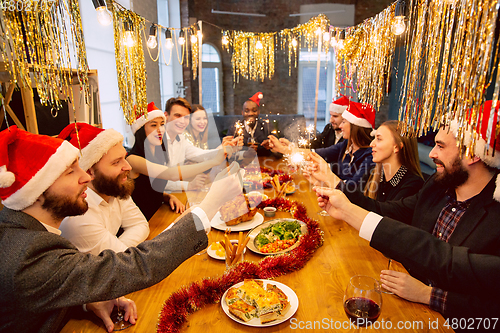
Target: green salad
{"x": 283, "y": 230}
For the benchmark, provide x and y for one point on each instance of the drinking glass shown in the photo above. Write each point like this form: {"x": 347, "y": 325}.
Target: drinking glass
{"x": 363, "y": 300}
{"x": 382, "y": 289}
{"x": 118, "y": 319}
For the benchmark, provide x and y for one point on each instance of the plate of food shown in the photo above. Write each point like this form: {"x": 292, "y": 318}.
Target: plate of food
{"x": 217, "y": 251}
{"x": 276, "y": 236}
{"x": 259, "y": 303}
{"x": 219, "y": 224}
{"x": 239, "y": 214}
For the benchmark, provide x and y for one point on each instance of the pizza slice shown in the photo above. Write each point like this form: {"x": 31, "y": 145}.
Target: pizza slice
{"x": 242, "y": 310}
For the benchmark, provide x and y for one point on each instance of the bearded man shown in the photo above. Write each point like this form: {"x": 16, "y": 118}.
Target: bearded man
{"x": 113, "y": 221}
{"x": 459, "y": 205}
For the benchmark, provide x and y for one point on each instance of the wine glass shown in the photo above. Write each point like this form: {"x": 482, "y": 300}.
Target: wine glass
{"x": 362, "y": 300}
{"x": 118, "y": 319}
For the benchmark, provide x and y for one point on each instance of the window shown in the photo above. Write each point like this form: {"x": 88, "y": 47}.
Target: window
{"x": 211, "y": 79}
{"x": 307, "y": 86}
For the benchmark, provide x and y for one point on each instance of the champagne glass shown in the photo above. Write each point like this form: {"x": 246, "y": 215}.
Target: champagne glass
{"x": 118, "y": 318}
{"x": 362, "y": 300}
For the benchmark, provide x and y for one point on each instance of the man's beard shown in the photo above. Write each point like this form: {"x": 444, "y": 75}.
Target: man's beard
{"x": 453, "y": 177}
{"x": 111, "y": 186}
{"x": 61, "y": 206}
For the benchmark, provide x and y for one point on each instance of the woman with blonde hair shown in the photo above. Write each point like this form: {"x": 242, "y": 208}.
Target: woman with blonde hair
{"x": 397, "y": 170}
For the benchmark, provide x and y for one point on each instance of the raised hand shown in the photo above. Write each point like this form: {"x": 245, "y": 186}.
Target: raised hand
{"x": 103, "y": 310}
{"x": 318, "y": 171}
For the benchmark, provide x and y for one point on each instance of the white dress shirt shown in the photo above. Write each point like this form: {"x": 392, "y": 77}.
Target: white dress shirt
{"x": 369, "y": 225}
{"x": 96, "y": 230}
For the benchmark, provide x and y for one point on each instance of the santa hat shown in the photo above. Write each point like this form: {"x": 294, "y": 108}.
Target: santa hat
{"x": 256, "y": 98}
{"x": 482, "y": 149}
{"x": 153, "y": 112}
{"x": 340, "y": 105}
{"x": 29, "y": 165}
{"x": 360, "y": 114}
{"x": 94, "y": 142}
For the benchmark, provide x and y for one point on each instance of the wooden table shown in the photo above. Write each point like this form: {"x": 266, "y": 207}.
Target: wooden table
{"x": 320, "y": 285}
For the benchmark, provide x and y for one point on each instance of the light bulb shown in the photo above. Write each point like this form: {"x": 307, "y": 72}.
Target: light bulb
{"x": 199, "y": 34}
{"x": 225, "y": 41}
{"x": 319, "y": 31}
{"x": 152, "y": 43}
{"x": 333, "y": 42}
{"x": 169, "y": 44}
{"x": 104, "y": 16}
{"x": 258, "y": 45}
{"x": 340, "y": 44}
{"x": 326, "y": 36}
{"x": 128, "y": 39}
{"x": 294, "y": 42}
{"x": 182, "y": 40}
{"x": 194, "y": 39}
{"x": 398, "y": 25}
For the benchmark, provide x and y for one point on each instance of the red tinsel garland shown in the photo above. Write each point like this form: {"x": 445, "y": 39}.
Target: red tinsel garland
{"x": 189, "y": 299}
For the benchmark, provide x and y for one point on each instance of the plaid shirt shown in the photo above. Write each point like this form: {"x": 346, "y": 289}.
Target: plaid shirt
{"x": 445, "y": 225}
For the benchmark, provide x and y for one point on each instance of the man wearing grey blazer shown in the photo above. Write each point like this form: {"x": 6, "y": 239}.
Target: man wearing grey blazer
{"x": 43, "y": 274}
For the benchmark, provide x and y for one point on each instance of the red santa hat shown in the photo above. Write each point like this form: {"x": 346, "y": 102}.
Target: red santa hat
{"x": 360, "y": 114}
{"x": 29, "y": 165}
{"x": 489, "y": 152}
{"x": 94, "y": 142}
{"x": 153, "y": 112}
{"x": 256, "y": 98}
{"x": 339, "y": 105}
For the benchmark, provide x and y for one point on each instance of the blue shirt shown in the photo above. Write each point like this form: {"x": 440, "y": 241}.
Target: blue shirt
{"x": 350, "y": 167}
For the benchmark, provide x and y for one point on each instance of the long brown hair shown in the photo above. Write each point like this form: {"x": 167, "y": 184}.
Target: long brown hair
{"x": 203, "y": 135}
{"x": 407, "y": 156}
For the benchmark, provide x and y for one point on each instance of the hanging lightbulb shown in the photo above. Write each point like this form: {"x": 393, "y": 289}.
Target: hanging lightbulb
{"x": 333, "y": 39}
{"x": 199, "y": 34}
{"x": 168, "y": 39}
{"x": 294, "y": 42}
{"x": 103, "y": 14}
{"x": 398, "y": 24}
{"x": 152, "y": 43}
{"x": 340, "y": 42}
{"x": 326, "y": 36}
{"x": 258, "y": 45}
{"x": 128, "y": 38}
{"x": 182, "y": 40}
{"x": 225, "y": 40}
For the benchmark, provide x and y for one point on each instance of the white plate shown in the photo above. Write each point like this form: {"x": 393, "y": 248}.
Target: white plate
{"x": 212, "y": 253}
{"x": 218, "y": 224}
{"x": 255, "y": 231}
{"x": 255, "y": 322}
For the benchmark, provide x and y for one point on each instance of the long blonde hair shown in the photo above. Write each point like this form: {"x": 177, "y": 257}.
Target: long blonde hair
{"x": 407, "y": 156}
{"x": 203, "y": 136}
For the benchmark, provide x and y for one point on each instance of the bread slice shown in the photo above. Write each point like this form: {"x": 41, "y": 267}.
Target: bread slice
{"x": 242, "y": 310}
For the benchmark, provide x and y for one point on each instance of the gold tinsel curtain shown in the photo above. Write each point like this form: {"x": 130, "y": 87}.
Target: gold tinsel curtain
{"x": 37, "y": 36}
{"x": 130, "y": 65}
{"x": 449, "y": 64}
{"x": 253, "y": 54}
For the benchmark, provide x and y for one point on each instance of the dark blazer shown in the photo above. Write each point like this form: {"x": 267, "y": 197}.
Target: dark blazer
{"x": 43, "y": 274}
{"x": 261, "y": 133}
{"x": 478, "y": 230}
{"x": 325, "y": 138}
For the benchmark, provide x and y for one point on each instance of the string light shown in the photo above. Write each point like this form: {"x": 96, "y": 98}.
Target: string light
{"x": 398, "y": 25}
{"x": 194, "y": 38}
{"x": 103, "y": 14}
{"x": 340, "y": 42}
{"x": 182, "y": 40}
{"x": 225, "y": 40}
{"x": 168, "y": 39}
{"x": 294, "y": 42}
{"x": 258, "y": 45}
{"x": 128, "y": 38}
{"x": 326, "y": 36}
{"x": 152, "y": 43}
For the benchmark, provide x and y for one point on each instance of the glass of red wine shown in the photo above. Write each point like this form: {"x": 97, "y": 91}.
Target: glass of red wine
{"x": 363, "y": 300}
